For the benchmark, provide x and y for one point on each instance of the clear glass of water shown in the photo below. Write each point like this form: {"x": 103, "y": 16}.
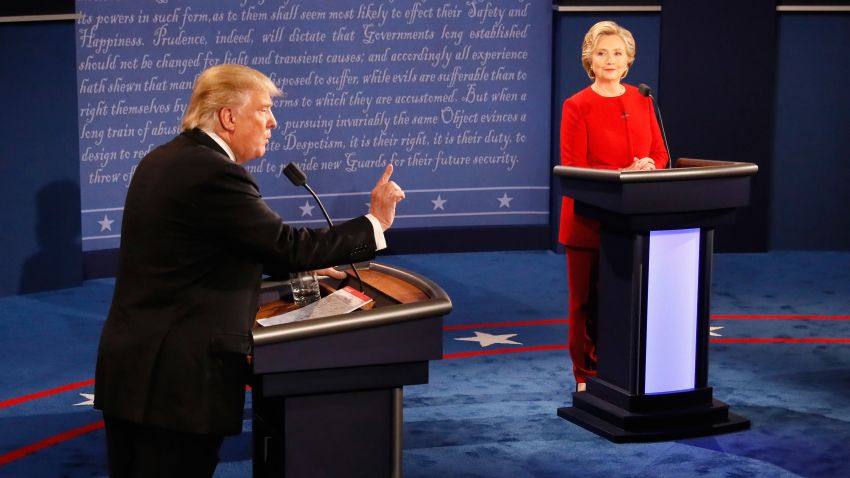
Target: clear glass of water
{"x": 305, "y": 287}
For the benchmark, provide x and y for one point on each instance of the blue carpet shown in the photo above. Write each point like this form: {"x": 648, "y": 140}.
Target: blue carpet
{"x": 494, "y": 415}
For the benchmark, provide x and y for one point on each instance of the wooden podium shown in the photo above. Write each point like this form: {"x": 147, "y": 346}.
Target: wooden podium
{"x": 655, "y": 259}
{"x": 327, "y": 393}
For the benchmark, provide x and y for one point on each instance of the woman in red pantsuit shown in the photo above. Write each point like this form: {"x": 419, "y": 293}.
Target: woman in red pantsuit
{"x": 607, "y": 125}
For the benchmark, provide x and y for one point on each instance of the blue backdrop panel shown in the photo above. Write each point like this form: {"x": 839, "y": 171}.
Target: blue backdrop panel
{"x": 39, "y": 185}
{"x": 454, "y": 94}
{"x": 710, "y": 48}
{"x": 810, "y": 197}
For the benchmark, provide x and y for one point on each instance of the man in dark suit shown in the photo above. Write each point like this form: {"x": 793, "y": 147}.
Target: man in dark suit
{"x": 174, "y": 355}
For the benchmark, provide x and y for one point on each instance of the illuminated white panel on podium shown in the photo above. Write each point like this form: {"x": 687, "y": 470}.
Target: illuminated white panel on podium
{"x": 671, "y": 310}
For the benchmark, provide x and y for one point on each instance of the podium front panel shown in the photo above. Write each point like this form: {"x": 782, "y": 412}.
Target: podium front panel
{"x": 328, "y": 391}
{"x": 671, "y": 310}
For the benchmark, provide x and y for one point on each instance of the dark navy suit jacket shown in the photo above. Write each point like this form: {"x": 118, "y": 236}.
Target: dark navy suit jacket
{"x": 195, "y": 239}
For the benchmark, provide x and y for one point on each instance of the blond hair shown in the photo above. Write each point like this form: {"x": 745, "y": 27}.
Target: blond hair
{"x": 597, "y": 31}
{"x": 223, "y": 86}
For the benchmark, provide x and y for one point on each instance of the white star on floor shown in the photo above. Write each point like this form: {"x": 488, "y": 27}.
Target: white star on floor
{"x": 504, "y": 201}
{"x": 89, "y": 400}
{"x": 485, "y": 340}
{"x": 712, "y": 329}
{"x": 438, "y": 203}
{"x": 106, "y": 223}
{"x": 306, "y": 209}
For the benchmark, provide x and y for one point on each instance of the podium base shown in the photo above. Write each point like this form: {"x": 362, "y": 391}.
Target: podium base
{"x": 644, "y": 418}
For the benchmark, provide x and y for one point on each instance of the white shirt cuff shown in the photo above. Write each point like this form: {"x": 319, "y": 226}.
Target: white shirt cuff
{"x": 380, "y": 241}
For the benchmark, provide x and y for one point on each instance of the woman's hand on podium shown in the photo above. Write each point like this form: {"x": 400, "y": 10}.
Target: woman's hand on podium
{"x": 641, "y": 164}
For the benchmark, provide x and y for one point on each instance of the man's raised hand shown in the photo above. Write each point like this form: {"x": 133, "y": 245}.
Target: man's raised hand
{"x": 384, "y": 198}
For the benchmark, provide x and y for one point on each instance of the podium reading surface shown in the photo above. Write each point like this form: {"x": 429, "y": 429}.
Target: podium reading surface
{"x": 327, "y": 393}
{"x": 656, "y": 243}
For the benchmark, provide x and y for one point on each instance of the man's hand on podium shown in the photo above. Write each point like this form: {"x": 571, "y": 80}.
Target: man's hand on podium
{"x": 332, "y": 273}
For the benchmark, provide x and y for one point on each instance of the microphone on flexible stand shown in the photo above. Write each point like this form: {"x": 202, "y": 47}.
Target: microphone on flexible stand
{"x": 298, "y": 178}
{"x": 645, "y": 90}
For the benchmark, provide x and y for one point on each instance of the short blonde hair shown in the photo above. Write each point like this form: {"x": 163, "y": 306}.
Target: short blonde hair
{"x": 597, "y": 31}
{"x": 223, "y": 86}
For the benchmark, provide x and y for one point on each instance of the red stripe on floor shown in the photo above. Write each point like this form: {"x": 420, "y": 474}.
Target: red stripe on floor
{"x": 505, "y": 324}
{"x": 713, "y": 317}
{"x": 45, "y": 393}
{"x": 541, "y": 348}
{"x": 50, "y": 441}
{"x": 476, "y": 353}
{"x": 780, "y": 317}
{"x": 814, "y": 340}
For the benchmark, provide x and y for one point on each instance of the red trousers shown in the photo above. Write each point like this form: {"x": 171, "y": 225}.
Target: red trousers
{"x": 583, "y": 277}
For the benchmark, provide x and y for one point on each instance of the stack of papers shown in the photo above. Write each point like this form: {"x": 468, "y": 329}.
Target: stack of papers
{"x": 342, "y": 301}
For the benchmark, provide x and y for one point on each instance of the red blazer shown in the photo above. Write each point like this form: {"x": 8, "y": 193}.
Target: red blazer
{"x": 604, "y": 133}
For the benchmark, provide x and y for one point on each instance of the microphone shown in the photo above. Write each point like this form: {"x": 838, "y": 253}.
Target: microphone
{"x": 645, "y": 90}
{"x": 298, "y": 178}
